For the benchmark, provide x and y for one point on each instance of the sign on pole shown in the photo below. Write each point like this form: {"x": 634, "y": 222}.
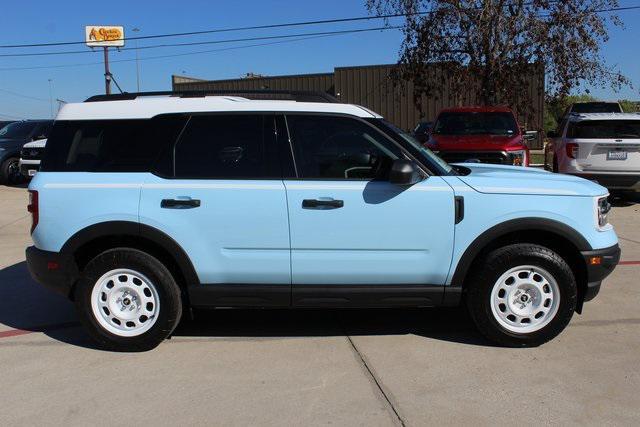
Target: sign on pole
{"x": 104, "y": 35}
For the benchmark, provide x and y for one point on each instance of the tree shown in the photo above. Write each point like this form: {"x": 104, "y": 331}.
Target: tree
{"x": 489, "y": 47}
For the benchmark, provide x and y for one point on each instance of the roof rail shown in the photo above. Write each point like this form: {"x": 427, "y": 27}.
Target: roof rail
{"x": 265, "y": 94}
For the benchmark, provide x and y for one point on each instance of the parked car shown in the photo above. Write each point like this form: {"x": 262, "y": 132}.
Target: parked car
{"x": 421, "y": 131}
{"x": 603, "y": 147}
{"x": 3, "y": 123}
{"x": 30, "y": 157}
{"x": 12, "y": 138}
{"x": 165, "y": 203}
{"x": 479, "y": 134}
{"x": 593, "y": 107}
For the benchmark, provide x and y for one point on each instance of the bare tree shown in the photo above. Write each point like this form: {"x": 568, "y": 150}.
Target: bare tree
{"x": 488, "y": 48}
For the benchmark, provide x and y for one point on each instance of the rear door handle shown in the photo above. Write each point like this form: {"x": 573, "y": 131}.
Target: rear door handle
{"x": 186, "y": 203}
{"x": 322, "y": 204}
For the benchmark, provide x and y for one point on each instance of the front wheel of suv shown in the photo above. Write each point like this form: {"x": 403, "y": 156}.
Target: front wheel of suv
{"x": 10, "y": 172}
{"x": 522, "y": 295}
{"x": 128, "y": 300}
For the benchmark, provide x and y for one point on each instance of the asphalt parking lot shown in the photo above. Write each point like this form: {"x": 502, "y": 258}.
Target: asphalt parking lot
{"x": 375, "y": 367}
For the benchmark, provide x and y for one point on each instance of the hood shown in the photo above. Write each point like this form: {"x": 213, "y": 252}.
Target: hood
{"x": 476, "y": 142}
{"x": 40, "y": 143}
{"x": 498, "y": 179}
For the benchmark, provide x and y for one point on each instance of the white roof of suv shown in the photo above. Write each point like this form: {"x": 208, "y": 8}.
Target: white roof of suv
{"x": 150, "y": 106}
{"x": 577, "y": 117}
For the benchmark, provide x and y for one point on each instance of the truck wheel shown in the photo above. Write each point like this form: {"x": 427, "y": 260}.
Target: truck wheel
{"x": 10, "y": 171}
{"x": 522, "y": 295}
{"x": 128, "y": 300}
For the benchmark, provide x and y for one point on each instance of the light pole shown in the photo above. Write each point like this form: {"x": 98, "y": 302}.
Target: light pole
{"x": 50, "y": 97}
{"x": 137, "y": 30}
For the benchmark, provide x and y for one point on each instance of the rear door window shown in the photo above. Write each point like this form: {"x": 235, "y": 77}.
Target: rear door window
{"x": 228, "y": 146}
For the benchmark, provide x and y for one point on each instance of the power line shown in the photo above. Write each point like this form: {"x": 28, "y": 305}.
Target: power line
{"x": 225, "y": 30}
{"x": 285, "y": 36}
{"x": 170, "y": 56}
{"x": 23, "y": 96}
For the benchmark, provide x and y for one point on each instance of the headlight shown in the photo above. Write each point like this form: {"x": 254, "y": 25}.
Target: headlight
{"x": 517, "y": 158}
{"x": 602, "y": 212}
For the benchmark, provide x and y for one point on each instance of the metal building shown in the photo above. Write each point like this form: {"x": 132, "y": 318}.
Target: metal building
{"x": 371, "y": 87}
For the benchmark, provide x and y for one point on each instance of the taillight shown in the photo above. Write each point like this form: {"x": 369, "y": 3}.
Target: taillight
{"x": 572, "y": 150}
{"x": 32, "y": 207}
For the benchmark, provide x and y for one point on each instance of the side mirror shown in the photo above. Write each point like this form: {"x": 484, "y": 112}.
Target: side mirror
{"x": 552, "y": 134}
{"x": 404, "y": 172}
{"x": 530, "y": 135}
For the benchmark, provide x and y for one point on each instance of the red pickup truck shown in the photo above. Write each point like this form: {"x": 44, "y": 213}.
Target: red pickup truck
{"x": 479, "y": 134}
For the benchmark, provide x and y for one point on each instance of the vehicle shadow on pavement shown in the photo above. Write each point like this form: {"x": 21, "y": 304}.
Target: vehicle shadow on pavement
{"x": 626, "y": 200}
{"x": 27, "y": 306}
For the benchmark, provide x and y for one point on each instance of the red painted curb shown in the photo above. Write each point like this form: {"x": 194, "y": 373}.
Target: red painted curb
{"x": 629, "y": 263}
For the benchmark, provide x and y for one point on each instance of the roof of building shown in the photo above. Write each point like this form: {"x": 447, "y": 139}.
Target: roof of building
{"x": 576, "y": 117}
{"x": 144, "y": 107}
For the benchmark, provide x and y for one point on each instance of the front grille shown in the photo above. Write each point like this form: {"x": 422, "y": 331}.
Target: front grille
{"x": 31, "y": 153}
{"x": 493, "y": 157}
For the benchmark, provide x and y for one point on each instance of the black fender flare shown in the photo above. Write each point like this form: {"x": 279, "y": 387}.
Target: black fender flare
{"x": 134, "y": 229}
{"x": 514, "y": 225}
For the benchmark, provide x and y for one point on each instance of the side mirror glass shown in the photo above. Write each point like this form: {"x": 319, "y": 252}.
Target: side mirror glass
{"x": 530, "y": 135}
{"x": 552, "y": 134}
{"x": 404, "y": 172}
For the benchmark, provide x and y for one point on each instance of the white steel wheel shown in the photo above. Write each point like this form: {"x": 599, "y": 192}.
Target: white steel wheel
{"x": 125, "y": 302}
{"x": 525, "y": 299}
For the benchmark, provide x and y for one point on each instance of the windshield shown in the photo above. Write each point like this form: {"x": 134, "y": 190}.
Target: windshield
{"x": 417, "y": 149}
{"x": 472, "y": 123}
{"x": 17, "y": 130}
{"x": 605, "y": 129}
{"x": 596, "y": 107}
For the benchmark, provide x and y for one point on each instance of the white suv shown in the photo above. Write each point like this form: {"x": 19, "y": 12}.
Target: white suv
{"x": 603, "y": 147}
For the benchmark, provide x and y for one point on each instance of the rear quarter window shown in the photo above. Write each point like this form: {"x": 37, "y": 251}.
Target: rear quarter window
{"x": 110, "y": 145}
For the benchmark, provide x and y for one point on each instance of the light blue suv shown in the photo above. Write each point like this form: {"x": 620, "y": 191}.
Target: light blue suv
{"x": 148, "y": 205}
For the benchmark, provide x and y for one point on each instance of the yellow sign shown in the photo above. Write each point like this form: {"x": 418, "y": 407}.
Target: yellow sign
{"x": 104, "y": 35}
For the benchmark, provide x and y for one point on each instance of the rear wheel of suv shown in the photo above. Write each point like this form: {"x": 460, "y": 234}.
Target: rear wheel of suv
{"x": 10, "y": 171}
{"x": 522, "y": 295}
{"x": 128, "y": 300}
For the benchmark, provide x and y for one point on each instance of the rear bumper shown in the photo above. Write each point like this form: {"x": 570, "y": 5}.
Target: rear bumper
{"x": 614, "y": 181}
{"x": 53, "y": 270}
{"x": 600, "y": 263}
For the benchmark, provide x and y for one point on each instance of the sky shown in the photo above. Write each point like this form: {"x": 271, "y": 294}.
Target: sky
{"x": 26, "y": 89}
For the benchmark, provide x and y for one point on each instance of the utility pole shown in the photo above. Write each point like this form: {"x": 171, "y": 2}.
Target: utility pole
{"x": 50, "y": 97}
{"x": 107, "y": 73}
{"x": 136, "y": 30}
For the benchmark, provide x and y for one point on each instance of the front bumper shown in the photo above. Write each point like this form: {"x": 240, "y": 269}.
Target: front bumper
{"x": 53, "y": 270}
{"x": 29, "y": 168}
{"x": 614, "y": 181}
{"x": 600, "y": 263}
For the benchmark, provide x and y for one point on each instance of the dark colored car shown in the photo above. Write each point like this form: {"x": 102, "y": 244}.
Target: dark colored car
{"x": 479, "y": 134}
{"x": 421, "y": 131}
{"x": 12, "y": 138}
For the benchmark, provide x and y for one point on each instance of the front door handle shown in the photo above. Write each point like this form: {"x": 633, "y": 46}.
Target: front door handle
{"x": 322, "y": 204}
{"x": 180, "y": 203}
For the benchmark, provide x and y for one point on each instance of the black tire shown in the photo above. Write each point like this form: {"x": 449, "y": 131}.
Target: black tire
{"x": 168, "y": 293}
{"x": 10, "y": 172}
{"x": 484, "y": 277}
